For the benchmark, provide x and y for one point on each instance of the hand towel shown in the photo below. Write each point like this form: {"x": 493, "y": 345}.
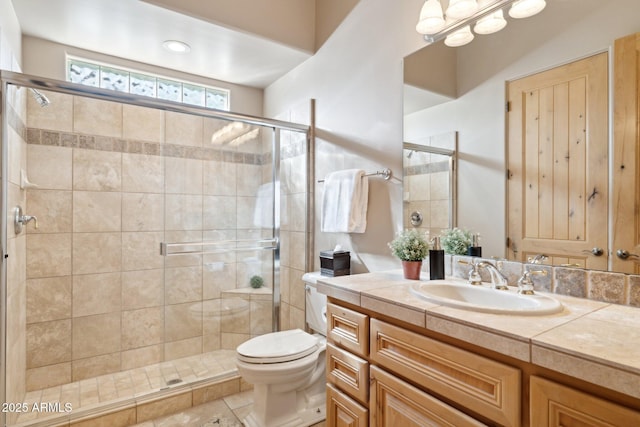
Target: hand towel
{"x": 263, "y": 211}
{"x": 344, "y": 202}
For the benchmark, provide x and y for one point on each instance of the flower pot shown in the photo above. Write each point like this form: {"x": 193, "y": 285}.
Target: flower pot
{"x": 411, "y": 269}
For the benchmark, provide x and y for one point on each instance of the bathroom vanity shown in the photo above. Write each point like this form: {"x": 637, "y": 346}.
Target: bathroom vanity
{"x": 394, "y": 359}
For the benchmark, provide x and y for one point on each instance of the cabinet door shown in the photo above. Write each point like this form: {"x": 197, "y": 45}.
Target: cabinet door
{"x": 344, "y": 412}
{"x": 556, "y": 405}
{"x": 396, "y": 403}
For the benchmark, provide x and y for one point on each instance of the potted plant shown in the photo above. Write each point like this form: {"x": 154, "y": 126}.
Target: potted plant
{"x": 411, "y": 247}
{"x": 456, "y": 241}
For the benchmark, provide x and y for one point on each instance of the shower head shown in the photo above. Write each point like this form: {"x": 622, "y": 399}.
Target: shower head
{"x": 40, "y": 97}
{"x": 410, "y": 153}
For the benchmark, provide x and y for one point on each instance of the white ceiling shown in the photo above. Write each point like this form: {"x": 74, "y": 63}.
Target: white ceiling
{"x": 135, "y": 30}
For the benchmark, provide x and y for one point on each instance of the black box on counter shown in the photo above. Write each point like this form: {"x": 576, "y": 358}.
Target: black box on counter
{"x": 335, "y": 263}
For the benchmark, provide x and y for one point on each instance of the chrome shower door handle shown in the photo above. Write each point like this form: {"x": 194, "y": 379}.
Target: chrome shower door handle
{"x": 20, "y": 220}
{"x": 625, "y": 255}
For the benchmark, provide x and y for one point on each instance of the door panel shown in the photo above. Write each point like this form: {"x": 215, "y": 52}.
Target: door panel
{"x": 558, "y": 164}
{"x": 626, "y": 171}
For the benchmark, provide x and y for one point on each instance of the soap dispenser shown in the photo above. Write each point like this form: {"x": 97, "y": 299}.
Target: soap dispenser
{"x": 436, "y": 260}
{"x": 475, "y": 249}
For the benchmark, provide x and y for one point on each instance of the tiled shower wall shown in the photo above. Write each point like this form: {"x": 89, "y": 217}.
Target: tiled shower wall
{"x": 16, "y": 249}
{"x": 113, "y": 181}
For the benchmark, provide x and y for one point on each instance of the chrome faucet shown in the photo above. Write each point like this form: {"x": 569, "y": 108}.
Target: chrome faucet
{"x": 498, "y": 281}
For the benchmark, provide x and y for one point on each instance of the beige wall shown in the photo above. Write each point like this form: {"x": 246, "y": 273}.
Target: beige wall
{"x": 356, "y": 78}
{"x": 48, "y": 59}
{"x": 10, "y": 38}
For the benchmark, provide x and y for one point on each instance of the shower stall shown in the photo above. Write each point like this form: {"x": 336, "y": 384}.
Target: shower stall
{"x": 135, "y": 237}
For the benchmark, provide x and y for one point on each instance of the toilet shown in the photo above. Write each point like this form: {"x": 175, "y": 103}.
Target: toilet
{"x": 287, "y": 369}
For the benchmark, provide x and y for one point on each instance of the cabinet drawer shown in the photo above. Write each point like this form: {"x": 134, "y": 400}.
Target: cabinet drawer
{"x": 556, "y": 405}
{"x": 348, "y": 329}
{"x": 486, "y": 387}
{"x": 398, "y": 403}
{"x": 348, "y": 372}
{"x": 344, "y": 412}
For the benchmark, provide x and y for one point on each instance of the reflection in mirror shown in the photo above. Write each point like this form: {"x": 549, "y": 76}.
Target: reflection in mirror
{"x": 463, "y": 88}
{"x": 429, "y": 170}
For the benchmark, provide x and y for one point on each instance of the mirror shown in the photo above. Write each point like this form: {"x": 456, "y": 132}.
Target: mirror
{"x": 429, "y": 184}
{"x": 463, "y": 89}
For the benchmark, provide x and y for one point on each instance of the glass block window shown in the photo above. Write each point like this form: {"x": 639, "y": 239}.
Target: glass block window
{"x": 122, "y": 80}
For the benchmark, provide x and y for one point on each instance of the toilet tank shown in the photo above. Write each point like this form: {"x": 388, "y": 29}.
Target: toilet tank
{"x": 316, "y": 304}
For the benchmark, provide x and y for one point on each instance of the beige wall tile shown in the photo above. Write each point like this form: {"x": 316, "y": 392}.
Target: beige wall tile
{"x": 141, "y": 250}
{"x": 96, "y": 293}
{"x": 97, "y": 170}
{"x": 142, "y": 289}
{"x": 183, "y": 284}
{"x": 440, "y": 186}
{"x": 183, "y": 176}
{"x": 143, "y": 356}
{"x": 183, "y": 321}
{"x": 245, "y": 212}
{"x": 142, "y": 173}
{"x": 219, "y": 178}
{"x": 231, "y": 341}
{"x": 235, "y": 319}
{"x": 92, "y": 367}
{"x": 48, "y": 376}
{"x": 48, "y": 255}
{"x": 216, "y": 391}
{"x": 183, "y": 212}
{"x": 141, "y": 123}
{"x": 143, "y": 327}
{"x": 48, "y": 299}
{"x": 122, "y": 418}
{"x": 173, "y": 404}
{"x": 297, "y": 211}
{"x": 220, "y": 212}
{"x": 439, "y": 214}
{"x": 183, "y": 237}
{"x": 249, "y": 179}
{"x": 183, "y": 348}
{"x": 50, "y": 167}
{"x": 59, "y": 116}
{"x": 297, "y": 248}
{"x": 142, "y": 212}
{"x": 97, "y": 117}
{"x": 96, "y": 335}
{"x": 218, "y": 276}
{"x": 183, "y": 129}
{"x": 52, "y": 208}
{"x": 261, "y": 317}
{"x": 48, "y": 343}
{"x": 17, "y": 159}
{"x": 96, "y": 252}
{"x": 96, "y": 211}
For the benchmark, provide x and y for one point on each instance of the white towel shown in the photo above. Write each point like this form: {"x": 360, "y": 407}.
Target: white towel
{"x": 344, "y": 203}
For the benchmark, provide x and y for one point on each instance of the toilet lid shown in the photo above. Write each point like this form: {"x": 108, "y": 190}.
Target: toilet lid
{"x": 278, "y": 347}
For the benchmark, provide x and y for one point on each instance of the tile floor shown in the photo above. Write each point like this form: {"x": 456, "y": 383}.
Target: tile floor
{"x": 134, "y": 384}
{"x": 225, "y": 412}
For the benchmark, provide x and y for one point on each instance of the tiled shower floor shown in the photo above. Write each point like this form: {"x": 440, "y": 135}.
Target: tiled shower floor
{"x": 125, "y": 387}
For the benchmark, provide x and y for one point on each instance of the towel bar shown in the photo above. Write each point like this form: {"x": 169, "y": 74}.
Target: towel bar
{"x": 385, "y": 173}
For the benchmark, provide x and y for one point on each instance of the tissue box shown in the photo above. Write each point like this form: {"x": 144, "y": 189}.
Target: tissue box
{"x": 335, "y": 263}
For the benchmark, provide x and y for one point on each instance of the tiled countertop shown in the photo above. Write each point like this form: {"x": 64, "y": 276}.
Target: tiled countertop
{"x": 594, "y": 341}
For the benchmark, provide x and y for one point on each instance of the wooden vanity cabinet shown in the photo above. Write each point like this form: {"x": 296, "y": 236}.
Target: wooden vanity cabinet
{"x": 384, "y": 374}
{"x": 555, "y": 405}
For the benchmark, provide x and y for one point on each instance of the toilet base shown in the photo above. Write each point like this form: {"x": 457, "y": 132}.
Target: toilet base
{"x": 313, "y": 413}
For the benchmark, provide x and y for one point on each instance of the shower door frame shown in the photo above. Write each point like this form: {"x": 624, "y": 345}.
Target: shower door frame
{"x": 22, "y": 80}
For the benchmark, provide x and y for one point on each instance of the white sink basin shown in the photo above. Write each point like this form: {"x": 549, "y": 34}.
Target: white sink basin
{"x": 483, "y": 298}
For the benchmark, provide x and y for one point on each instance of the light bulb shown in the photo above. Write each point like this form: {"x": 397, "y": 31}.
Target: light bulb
{"x": 431, "y": 20}
{"x": 526, "y": 8}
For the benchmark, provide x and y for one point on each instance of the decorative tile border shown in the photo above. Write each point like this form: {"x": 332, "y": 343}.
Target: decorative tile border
{"x": 610, "y": 287}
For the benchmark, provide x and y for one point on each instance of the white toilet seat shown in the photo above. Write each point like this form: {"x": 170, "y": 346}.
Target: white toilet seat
{"x": 278, "y": 347}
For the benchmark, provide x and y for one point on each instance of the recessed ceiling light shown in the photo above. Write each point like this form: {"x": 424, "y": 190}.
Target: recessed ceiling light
{"x": 176, "y": 46}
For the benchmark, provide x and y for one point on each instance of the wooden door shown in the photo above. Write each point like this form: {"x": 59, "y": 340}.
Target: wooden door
{"x": 557, "y": 188}
{"x": 626, "y": 169}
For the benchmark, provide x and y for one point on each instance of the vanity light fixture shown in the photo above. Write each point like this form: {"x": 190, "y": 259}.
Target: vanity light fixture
{"x": 526, "y": 8}
{"x": 486, "y": 17}
{"x": 176, "y": 46}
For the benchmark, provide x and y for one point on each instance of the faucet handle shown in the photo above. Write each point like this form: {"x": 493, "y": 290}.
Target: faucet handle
{"x": 474, "y": 273}
{"x": 525, "y": 284}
